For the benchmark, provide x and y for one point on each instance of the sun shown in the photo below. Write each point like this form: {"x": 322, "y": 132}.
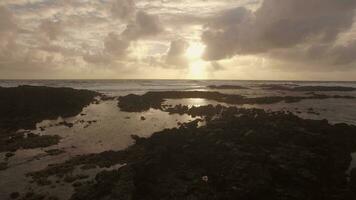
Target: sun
{"x": 197, "y": 66}
{"x": 195, "y": 51}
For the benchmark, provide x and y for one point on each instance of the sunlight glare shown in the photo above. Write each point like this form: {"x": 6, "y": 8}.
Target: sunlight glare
{"x": 197, "y": 70}
{"x": 195, "y": 51}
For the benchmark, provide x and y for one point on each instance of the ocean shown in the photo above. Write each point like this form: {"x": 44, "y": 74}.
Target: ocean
{"x": 139, "y": 86}
{"x": 334, "y": 110}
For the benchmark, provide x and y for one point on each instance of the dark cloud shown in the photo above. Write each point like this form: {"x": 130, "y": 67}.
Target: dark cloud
{"x": 144, "y": 25}
{"x": 344, "y": 54}
{"x": 216, "y": 66}
{"x": 123, "y": 9}
{"x": 116, "y": 45}
{"x": 320, "y": 56}
{"x": 282, "y": 24}
{"x": 176, "y": 54}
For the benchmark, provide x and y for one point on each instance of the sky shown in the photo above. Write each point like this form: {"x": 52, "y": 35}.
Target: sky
{"x": 178, "y": 39}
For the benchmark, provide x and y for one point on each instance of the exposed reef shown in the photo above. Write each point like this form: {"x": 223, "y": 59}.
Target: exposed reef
{"x": 139, "y": 103}
{"x": 308, "y": 88}
{"x": 239, "y": 154}
{"x": 24, "y": 106}
{"x": 25, "y": 140}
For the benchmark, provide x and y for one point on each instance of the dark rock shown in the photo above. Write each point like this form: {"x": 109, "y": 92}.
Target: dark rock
{"x": 54, "y": 152}
{"x": 9, "y": 155}
{"x": 14, "y": 195}
{"x": 140, "y": 103}
{"x": 107, "y": 98}
{"x": 308, "y": 88}
{"x": 77, "y": 184}
{"x": 3, "y": 166}
{"x": 33, "y": 196}
{"x": 43, "y": 182}
{"x": 19, "y": 140}
{"x": 67, "y": 124}
{"x": 70, "y": 178}
{"x": 24, "y": 106}
{"x": 242, "y": 154}
{"x": 324, "y": 88}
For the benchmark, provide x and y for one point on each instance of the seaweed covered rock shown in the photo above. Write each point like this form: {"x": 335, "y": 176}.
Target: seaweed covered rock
{"x": 24, "y": 106}
{"x": 27, "y": 141}
{"x": 240, "y": 154}
{"x": 140, "y": 103}
{"x": 308, "y": 88}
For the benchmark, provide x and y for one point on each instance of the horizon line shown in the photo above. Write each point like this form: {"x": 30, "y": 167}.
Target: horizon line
{"x": 163, "y": 79}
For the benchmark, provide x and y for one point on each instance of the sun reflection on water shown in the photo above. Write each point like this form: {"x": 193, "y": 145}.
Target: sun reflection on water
{"x": 197, "y": 102}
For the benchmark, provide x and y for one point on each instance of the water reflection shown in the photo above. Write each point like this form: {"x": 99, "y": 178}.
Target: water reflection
{"x": 197, "y": 102}
{"x": 111, "y": 130}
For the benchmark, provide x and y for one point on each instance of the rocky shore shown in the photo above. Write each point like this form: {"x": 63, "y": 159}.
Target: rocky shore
{"x": 239, "y": 154}
{"x": 139, "y": 103}
{"x": 308, "y": 88}
{"x": 229, "y": 153}
{"x": 24, "y": 106}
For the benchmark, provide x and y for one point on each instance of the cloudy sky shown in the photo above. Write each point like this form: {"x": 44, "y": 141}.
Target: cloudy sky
{"x": 178, "y": 39}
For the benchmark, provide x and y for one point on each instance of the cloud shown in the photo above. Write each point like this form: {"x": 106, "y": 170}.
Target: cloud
{"x": 116, "y": 45}
{"x": 115, "y": 48}
{"x": 176, "y": 54}
{"x": 280, "y": 25}
{"x": 7, "y": 21}
{"x": 101, "y": 59}
{"x": 144, "y": 25}
{"x": 216, "y": 66}
{"x": 344, "y": 54}
{"x": 8, "y": 35}
{"x": 52, "y": 29}
{"x": 320, "y": 56}
{"x": 88, "y": 36}
{"x": 123, "y": 9}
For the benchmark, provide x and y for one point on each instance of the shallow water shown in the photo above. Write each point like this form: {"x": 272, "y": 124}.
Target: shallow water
{"x": 111, "y": 131}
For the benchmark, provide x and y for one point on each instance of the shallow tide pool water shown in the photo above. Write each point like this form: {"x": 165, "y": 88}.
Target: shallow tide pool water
{"x": 100, "y": 127}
